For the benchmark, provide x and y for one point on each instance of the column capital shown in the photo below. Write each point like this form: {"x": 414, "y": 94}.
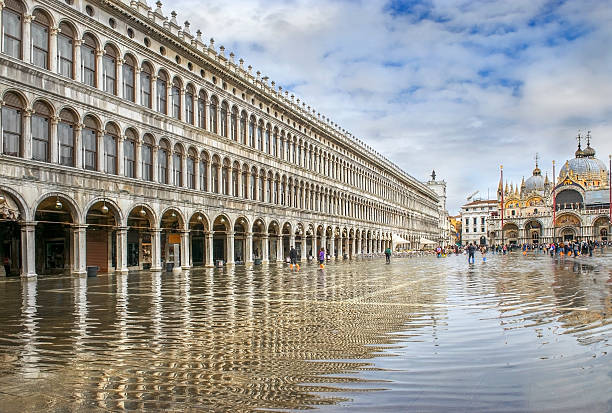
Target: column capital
{"x": 79, "y": 226}
{"x": 27, "y": 18}
{"x": 99, "y": 53}
{"x": 29, "y": 224}
{"x": 77, "y": 42}
{"x": 55, "y": 120}
{"x": 185, "y": 231}
{"x": 53, "y": 31}
{"x": 158, "y": 230}
{"x": 121, "y": 229}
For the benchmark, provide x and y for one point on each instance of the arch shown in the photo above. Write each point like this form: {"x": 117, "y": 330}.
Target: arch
{"x": 113, "y": 207}
{"x": 68, "y": 204}
{"x": 177, "y": 217}
{"x": 274, "y": 227}
{"x": 20, "y": 203}
{"x": 138, "y": 208}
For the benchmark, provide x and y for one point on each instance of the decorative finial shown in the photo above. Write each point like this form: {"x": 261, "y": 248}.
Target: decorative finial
{"x": 579, "y": 138}
{"x": 433, "y": 175}
{"x": 588, "y": 138}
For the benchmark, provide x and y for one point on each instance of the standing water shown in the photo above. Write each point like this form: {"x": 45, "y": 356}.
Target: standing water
{"x": 515, "y": 333}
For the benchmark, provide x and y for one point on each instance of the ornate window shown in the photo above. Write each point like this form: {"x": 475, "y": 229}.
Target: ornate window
{"x": 162, "y": 93}
{"x": 213, "y": 114}
{"x": 234, "y": 124}
{"x": 65, "y": 135}
{"x": 90, "y": 143}
{"x": 145, "y": 85}
{"x": 12, "y": 112}
{"x": 146, "y": 154}
{"x": 109, "y": 70}
{"x": 40, "y": 39}
{"x": 162, "y": 161}
{"x": 202, "y": 110}
{"x": 129, "y": 78}
{"x": 224, "y": 110}
{"x": 175, "y": 98}
{"x": 65, "y": 51}
{"x": 88, "y": 61}
{"x": 12, "y": 28}
{"x": 191, "y": 160}
{"x": 204, "y": 172}
{"x": 189, "y": 99}
{"x": 41, "y": 131}
{"x": 260, "y": 136}
{"x": 129, "y": 154}
{"x": 177, "y": 165}
{"x": 111, "y": 139}
{"x": 243, "y": 127}
{"x": 252, "y": 132}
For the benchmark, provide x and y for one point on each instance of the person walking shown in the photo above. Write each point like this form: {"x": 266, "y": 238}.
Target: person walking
{"x": 388, "y": 255}
{"x": 293, "y": 258}
{"x": 471, "y": 250}
{"x": 322, "y": 258}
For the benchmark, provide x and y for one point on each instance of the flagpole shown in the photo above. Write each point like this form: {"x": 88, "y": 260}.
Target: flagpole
{"x": 554, "y": 178}
{"x": 501, "y": 169}
{"x": 610, "y": 191}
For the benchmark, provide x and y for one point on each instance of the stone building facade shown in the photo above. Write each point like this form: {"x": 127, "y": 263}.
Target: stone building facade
{"x": 128, "y": 142}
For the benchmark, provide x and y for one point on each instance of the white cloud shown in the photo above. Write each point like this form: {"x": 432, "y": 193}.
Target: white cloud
{"x": 473, "y": 85}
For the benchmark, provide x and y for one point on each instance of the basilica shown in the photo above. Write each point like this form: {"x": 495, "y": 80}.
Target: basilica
{"x": 573, "y": 206}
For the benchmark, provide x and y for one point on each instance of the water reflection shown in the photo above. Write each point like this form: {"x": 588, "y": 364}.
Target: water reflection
{"x": 427, "y": 334}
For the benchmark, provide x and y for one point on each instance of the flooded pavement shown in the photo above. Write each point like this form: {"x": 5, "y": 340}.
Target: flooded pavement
{"x": 423, "y": 334}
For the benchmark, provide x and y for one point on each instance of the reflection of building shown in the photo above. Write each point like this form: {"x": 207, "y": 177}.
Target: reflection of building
{"x": 126, "y": 141}
{"x": 475, "y": 221}
{"x": 581, "y": 196}
{"x": 444, "y": 231}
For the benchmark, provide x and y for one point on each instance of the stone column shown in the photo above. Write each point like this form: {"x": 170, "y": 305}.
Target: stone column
{"x": 119, "y": 76}
{"x": 155, "y": 164}
{"x": 323, "y": 244}
{"x": 79, "y": 245}
{"x": 291, "y": 241}
{"x": 154, "y": 93}
{"x": 53, "y": 49}
{"x": 359, "y": 250}
{"x": 182, "y": 104}
{"x": 122, "y": 250}
{"x": 120, "y": 155}
{"x": 209, "y": 176}
{"x": 137, "y": 85}
{"x": 184, "y": 170}
{"x": 265, "y": 247}
{"x": 78, "y": 146}
{"x": 230, "y": 248}
{"x": 27, "y": 134}
{"x": 156, "y": 249}
{"x": 248, "y": 248}
{"x": 209, "y": 250}
{"x": 99, "y": 70}
{"x": 77, "y": 59}
{"x": 28, "y": 249}
{"x": 53, "y": 141}
{"x": 196, "y": 172}
{"x": 303, "y": 245}
{"x": 138, "y": 160}
{"x": 185, "y": 251}
{"x": 26, "y": 45}
{"x": 353, "y": 243}
{"x": 100, "y": 143}
{"x": 332, "y": 246}
{"x": 279, "y": 249}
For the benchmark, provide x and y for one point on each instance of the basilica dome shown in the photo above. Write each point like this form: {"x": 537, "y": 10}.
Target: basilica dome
{"x": 584, "y": 163}
{"x": 534, "y": 183}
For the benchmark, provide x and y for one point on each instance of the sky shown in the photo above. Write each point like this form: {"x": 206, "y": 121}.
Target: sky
{"x": 460, "y": 87}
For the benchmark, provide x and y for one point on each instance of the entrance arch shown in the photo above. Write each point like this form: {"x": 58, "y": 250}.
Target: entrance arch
{"x": 567, "y": 227}
{"x": 174, "y": 247}
{"x": 243, "y": 252}
{"x": 600, "y": 229}
{"x": 56, "y": 238}
{"x": 198, "y": 232}
{"x": 12, "y": 211}
{"x": 533, "y": 231}
{"x": 104, "y": 244}
{"x": 287, "y": 238}
{"x": 260, "y": 240}
{"x": 275, "y": 253}
{"x": 221, "y": 228}
{"x": 511, "y": 234}
{"x": 141, "y": 254}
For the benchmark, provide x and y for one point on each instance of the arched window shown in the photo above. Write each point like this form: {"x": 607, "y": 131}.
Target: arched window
{"x": 268, "y": 189}
{"x": 252, "y": 132}
{"x": 162, "y": 92}
{"x": 111, "y": 139}
{"x": 267, "y": 147}
{"x": 41, "y": 131}
{"x": 225, "y": 177}
{"x": 147, "y": 158}
{"x": 245, "y": 182}
{"x": 189, "y": 101}
{"x": 177, "y": 165}
{"x": 243, "y": 127}
{"x": 275, "y": 142}
{"x": 224, "y": 111}
{"x": 65, "y": 51}
{"x": 12, "y": 28}
{"x": 191, "y": 163}
{"x": 175, "y": 98}
{"x": 109, "y": 70}
{"x": 202, "y": 109}
{"x": 213, "y": 114}
{"x": 204, "y": 172}
{"x": 260, "y": 136}
{"x": 129, "y": 78}
{"x": 145, "y": 85}
{"x": 89, "y": 136}
{"x": 234, "y": 124}
{"x": 12, "y": 111}
{"x": 276, "y": 190}
{"x": 40, "y": 39}
{"x": 162, "y": 160}
{"x": 65, "y": 136}
{"x": 88, "y": 60}
{"x": 129, "y": 154}
{"x": 282, "y": 147}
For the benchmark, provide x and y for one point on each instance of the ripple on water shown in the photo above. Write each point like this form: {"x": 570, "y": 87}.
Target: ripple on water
{"x": 424, "y": 334}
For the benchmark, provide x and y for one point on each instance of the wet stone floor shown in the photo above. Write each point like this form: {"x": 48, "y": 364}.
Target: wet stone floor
{"x": 515, "y": 333}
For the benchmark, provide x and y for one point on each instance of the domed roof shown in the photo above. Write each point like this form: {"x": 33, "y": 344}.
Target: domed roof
{"x": 581, "y": 166}
{"x": 589, "y": 152}
{"x": 534, "y": 183}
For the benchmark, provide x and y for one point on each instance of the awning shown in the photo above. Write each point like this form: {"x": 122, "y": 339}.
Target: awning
{"x": 396, "y": 239}
{"x": 426, "y": 241}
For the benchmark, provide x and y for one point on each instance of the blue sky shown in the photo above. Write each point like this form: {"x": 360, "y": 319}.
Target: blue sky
{"x": 456, "y": 86}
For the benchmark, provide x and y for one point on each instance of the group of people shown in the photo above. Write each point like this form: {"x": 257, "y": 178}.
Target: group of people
{"x": 293, "y": 258}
